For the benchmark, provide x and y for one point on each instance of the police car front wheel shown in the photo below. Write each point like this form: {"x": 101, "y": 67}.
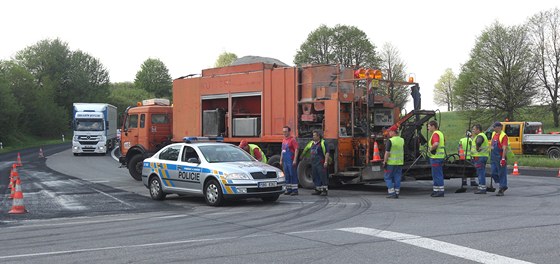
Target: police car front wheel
{"x": 156, "y": 191}
{"x": 213, "y": 193}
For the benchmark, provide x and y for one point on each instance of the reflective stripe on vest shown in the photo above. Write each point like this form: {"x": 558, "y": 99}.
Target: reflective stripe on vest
{"x": 484, "y": 151}
{"x": 440, "y": 151}
{"x": 252, "y": 148}
{"x": 396, "y": 156}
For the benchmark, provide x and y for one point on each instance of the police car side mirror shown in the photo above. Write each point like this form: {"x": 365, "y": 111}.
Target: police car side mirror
{"x": 193, "y": 160}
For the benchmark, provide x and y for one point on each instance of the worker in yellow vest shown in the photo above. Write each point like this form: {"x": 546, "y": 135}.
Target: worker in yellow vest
{"x": 466, "y": 144}
{"x": 498, "y": 157}
{"x": 319, "y": 162}
{"x": 393, "y": 161}
{"x": 480, "y": 153}
{"x": 254, "y": 150}
{"x": 436, "y": 148}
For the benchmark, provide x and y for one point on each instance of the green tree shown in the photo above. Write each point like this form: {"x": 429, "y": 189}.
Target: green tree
{"x": 76, "y": 76}
{"x": 125, "y": 94}
{"x": 154, "y": 77}
{"x": 444, "y": 93}
{"x": 225, "y": 59}
{"x": 342, "y": 44}
{"x": 10, "y": 109}
{"x": 394, "y": 70}
{"x": 545, "y": 37}
{"x": 505, "y": 69}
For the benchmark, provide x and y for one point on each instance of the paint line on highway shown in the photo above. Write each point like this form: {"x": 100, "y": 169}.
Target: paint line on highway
{"x": 62, "y": 252}
{"x": 111, "y": 196}
{"x": 170, "y": 216}
{"x": 329, "y": 204}
{"x": 438, "y": 246}
{"x": 100, "y": 181}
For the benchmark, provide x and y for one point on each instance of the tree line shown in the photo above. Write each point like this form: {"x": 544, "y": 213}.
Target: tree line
{"x": 510, "y": 67}
{"x": 40, "y": 84}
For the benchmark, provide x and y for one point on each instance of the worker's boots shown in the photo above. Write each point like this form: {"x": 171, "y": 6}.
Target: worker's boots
{"x": 324, "y": 193}
{"x": 316, "y": 192}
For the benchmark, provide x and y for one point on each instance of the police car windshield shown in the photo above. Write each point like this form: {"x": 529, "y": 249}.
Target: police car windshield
{"x": 224, "y": 153}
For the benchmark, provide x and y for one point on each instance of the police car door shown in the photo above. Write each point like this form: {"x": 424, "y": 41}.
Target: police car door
{"x": 168, "y": 167}
{"x": 190, "y": 172}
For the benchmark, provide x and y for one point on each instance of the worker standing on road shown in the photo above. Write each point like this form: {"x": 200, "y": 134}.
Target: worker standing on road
{"x": 319, "y": 162}
{"x": 498, "y": 155}
{"x": 393, "y": 161}
{"x": 253, "y": 150}
{"x": 465, "y": 144}
{"x": 288, "y": 161}
{"x": 436, "y": 146}
{"x": 480, "y": 153}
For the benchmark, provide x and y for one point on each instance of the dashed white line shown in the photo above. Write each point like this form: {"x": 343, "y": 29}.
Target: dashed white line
{"x": 439, "y": 246}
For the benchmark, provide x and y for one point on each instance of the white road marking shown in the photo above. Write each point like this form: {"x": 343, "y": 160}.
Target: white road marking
{"x": 171, "y": 216}
{"x": 113, "y": 154}
{"x": 427, "y": 243}
{"x": 108, "y": 195}
{"x": 122, "y": 247}
{"x": 439, "y": 246}
{"x": 65, "y": 201}
{"x": 100, "y": 181}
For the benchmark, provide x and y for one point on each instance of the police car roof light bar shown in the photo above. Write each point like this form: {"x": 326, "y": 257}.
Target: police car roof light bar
{"x": 203, "y": 139}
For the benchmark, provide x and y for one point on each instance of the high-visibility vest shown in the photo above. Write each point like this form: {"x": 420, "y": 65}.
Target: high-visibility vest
{"x": 484, "y": 150}
{"x": 306, "y": 153}
{"x": 252, "y": 148}
{"x": 509, "y": 153}
{"x": 463, "y": 143}
{"x": 440, "y": 151}
{"x": 396, "y": 156}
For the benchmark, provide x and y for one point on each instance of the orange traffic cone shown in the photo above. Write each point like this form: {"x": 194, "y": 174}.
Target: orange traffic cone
{"x": 14, "y": 175}
{"x": 18, "y": 162}
{"x": 41, "y": 155}
{"x": 17, "y": 205}
{"x": 461, "y": 153}
{"x": 515, "y": 169}
{"x": 376, "y": 156}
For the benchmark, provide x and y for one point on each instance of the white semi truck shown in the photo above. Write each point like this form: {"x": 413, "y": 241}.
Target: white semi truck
{"x": 95, "y": 128}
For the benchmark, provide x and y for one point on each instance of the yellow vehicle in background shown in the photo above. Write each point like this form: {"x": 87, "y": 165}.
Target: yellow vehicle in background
{"x": 529, "y": 138}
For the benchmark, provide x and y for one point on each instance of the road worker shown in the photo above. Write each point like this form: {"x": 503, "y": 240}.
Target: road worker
{"x": 393, "y": 161}
{"x": 465, "y": 144}
{"x": 436, "y": 148}
{"x": 288, "y": 161}
{"x": 254, "y": 150}
{"x": 319, "y": 162}
{"x": 480, "y": 154}
{"x": 498, "y": 157}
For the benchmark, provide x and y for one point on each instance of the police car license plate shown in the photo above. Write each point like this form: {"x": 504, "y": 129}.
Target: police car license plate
{"x": 267, "y": 184}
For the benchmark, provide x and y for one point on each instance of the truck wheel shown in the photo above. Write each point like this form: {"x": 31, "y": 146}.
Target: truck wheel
{"x": 304, "y": 174}
{"x": 156, "y": 191}
{"x": 213, "y": 193}
{"x": 135, "y": 167}
{"x": 275, "y": 161}
{"x": 554, "y": 153}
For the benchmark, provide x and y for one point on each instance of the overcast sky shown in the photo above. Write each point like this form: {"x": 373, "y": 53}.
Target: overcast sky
{"x": 188, "y": 36}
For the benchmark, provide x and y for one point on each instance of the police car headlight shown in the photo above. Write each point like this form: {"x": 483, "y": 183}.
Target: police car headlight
{"x": 280, "y": 175}
{"x": 238, "y": 176}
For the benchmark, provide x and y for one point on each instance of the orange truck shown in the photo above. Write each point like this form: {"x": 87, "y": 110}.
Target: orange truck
{"x": 255, "y": 101}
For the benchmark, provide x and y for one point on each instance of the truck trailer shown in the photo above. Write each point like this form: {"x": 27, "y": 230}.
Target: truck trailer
{"x": 255, "y": 101}
{"x": 95, "y": 128}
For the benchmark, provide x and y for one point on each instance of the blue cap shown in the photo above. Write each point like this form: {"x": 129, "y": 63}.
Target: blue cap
{"x": 498, "y": 124}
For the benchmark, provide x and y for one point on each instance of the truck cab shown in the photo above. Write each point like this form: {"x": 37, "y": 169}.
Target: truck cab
{"x": 94, "y": 126}
{"x": 146, "y": 129}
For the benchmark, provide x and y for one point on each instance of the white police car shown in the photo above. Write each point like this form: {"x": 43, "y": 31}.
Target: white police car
{"x": 216, "y": 170}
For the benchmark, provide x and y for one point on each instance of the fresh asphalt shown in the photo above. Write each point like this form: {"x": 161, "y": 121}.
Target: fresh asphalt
{"x": 98, "y": 213}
